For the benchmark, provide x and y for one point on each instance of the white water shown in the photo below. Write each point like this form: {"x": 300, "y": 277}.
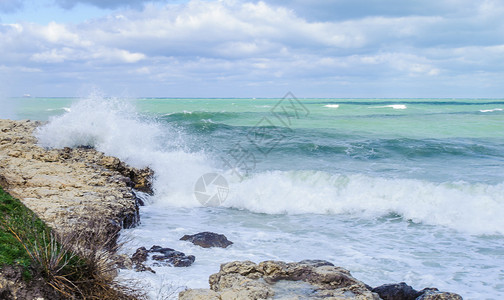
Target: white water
{"x": 356, "y": 221}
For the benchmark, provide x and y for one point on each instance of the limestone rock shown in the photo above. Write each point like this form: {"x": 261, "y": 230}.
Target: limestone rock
{"x": 199, "y": 294}
{"x": 303, "y": 280}
{"x": 208, "y": 240}
{"x": 67, "y": 188}
{"x": 435, "y": 294}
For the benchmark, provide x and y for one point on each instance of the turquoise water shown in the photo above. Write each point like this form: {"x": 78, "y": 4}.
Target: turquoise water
{"x": 391, "y": 189}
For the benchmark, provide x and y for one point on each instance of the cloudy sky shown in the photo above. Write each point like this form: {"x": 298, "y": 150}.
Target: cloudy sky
{"x": 245, "y": 48}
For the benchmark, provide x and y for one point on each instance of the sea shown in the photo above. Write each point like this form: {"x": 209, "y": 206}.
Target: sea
{"x": 394, "y": 190}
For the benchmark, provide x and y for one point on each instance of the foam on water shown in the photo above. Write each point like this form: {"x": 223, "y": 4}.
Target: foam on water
{"x": 332, "y": 105}
{"x": 474, "y": 208}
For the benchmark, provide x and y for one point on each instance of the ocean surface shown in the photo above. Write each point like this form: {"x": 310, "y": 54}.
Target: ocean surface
{"x": 391, "y": 189}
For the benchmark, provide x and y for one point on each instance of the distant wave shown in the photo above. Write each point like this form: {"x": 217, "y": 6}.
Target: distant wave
{"x": 491, "y": 110}
{"x": 332, "y": 105}
{"x": 67, "y": 109}
{"x": 394, "y": 106}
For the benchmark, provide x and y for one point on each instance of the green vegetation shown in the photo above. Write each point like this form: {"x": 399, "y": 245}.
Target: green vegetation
{"x": 15, "y": 217}
{"x": 77, "y": 266}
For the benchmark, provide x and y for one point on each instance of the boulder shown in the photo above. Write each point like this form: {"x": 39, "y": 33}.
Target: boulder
{"x": 208, "y": 240}
{"x": 306, "y": 279}
{"x": 396, "y": 291}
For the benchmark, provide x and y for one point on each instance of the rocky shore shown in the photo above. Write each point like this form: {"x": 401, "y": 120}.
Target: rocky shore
{"x": 68, "y": 188}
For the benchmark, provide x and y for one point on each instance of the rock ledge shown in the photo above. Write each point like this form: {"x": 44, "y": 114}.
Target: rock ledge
{"x": 68, "y": 188}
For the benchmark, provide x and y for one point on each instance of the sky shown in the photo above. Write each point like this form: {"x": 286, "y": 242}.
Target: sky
{"x": 240, "y": 48}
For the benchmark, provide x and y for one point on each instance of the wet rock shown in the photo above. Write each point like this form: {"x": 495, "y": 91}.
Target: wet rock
{"x": 396, "y": 291}
{"x": 140, "y": 255}
{"x": 143, "y": 268}
{"x": 208, "y": 240}
{"x": 166, "y": 257}
{"x": 172, "y": 257}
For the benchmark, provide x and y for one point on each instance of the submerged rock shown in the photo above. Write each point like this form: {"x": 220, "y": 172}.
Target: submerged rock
{"x": 166, "y": 257}
{"x": 172, "y": 257}
{"x": 208, "y": 240}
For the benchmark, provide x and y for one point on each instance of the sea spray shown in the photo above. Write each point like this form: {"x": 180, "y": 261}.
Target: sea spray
{"x": 113, "y": 127}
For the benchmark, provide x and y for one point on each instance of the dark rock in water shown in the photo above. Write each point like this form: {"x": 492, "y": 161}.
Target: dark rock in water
{"x": 208, "y": 240}
{"x": 138, "y": 258}
{"x": 396, "y": 291}
{"x": 172, "y": 257}
{"x": 435, "y": 294}
{"x": 142, "y": 268}
{"x": 140, "y": 255}
{"x": 167, "y": 257}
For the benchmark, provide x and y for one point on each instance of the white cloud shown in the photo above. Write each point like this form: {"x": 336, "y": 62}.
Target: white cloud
{"x": 255, "y": 43}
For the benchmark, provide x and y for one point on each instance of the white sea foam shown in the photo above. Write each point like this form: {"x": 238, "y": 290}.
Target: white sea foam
{"x": 394, "y": 106}
{"x": 474, "y": 208}
{"x": 332, "y": 105}
{"x": 491, "y": 110}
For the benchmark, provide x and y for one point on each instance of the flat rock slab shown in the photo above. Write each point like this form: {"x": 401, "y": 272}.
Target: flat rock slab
{"x": 208, "y": 240}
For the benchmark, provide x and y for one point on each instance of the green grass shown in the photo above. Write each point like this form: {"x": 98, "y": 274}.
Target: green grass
{"x": 15, "y": 217}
